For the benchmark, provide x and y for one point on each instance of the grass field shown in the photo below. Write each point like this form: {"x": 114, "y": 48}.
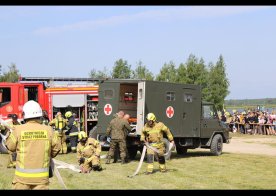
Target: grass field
{"x": 193, "y": 171}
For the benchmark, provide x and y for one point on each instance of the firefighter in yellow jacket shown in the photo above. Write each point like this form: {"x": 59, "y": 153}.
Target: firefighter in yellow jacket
{"x": 60, "y": 127}
{"x": 88, "y": 153}
{"x": 12, "y": 155}
{"x": 35, "y": 145}
{"x": 152, "y": 133}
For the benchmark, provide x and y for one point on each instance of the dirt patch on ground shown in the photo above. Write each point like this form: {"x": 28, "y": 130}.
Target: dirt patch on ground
{"x": 251, "y": 145}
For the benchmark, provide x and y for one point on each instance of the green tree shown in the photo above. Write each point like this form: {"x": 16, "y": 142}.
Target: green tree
{"x": 12, "y": 75}
{"x": 99, "y": 74}
{"x": 218, "y": 83}
{"x": 141, "y": 72}
{"x": 182, "y": 74}
{"x": 203, "y": 77}
{"x": 197, "y": 73}
{"x": 168, "y": 73}
{"x": 191, "y": 69}
{"x": 121, "y": 70}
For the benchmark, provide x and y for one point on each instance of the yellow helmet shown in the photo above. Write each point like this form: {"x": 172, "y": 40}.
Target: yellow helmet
{"x": 68, "y": 114}
{"x": 151, "y": 116}
{"x": 82, "y": 134}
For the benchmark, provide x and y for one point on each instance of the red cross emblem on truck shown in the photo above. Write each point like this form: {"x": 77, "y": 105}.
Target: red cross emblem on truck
{"x": 170, "y": 111}
{"x": 107, "y": 109}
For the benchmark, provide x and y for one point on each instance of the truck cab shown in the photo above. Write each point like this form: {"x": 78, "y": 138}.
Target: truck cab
{"x": 14, "y": 95}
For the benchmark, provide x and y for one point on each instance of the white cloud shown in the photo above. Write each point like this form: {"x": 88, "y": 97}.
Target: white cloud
{"x": 166, "y": 14}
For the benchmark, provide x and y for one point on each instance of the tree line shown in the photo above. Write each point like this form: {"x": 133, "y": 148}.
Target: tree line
{"x": 212, "y": 77}
{"x": 9, "y": 76}
{"x": 250, "y": 102}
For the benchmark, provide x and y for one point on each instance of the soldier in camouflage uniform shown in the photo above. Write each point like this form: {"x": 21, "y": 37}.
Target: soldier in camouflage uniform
{"x": 152, "y": 133}
{"x": 116, "y": 130}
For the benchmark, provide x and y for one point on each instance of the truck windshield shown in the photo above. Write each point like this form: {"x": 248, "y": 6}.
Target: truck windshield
{"x": 209, "y": 112}
{"x": 5, "y": 96}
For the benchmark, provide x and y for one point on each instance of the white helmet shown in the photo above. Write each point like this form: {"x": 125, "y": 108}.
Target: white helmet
{"x": 32, "y": 109}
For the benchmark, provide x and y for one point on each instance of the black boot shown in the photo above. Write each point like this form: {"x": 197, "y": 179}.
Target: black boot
{"x": 97, "y": 168}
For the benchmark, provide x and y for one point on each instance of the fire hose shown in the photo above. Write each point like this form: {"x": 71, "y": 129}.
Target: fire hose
{"x": 156, "y": 150}
{"x": 143, "y": 156}
{"x": 60, "y": 180}
{"x": 140, "y": 162}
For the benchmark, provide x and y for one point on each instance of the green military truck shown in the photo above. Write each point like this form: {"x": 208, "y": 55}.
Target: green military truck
{"x": 193, "y": 123}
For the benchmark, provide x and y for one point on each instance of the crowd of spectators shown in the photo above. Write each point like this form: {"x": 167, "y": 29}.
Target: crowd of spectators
{"x": 251, "y": 122}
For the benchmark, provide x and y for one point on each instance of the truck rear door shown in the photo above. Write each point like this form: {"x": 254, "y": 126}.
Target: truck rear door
{"x": 108, "y": 104}
{"x": 140, "y": 107}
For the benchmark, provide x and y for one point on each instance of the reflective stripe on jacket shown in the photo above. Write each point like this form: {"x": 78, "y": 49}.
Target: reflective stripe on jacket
{"x": 34, "y": 144}
{"x": 155, "y": 134}
{"x": 91, "y": 147}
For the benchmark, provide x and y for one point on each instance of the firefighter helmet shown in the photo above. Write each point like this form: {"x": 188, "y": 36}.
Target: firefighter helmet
{"x": 32, "y": 109}
{"x": 82, "y": 134}
{"x": 151, "y": 116}
{"x": 68, "y": 114}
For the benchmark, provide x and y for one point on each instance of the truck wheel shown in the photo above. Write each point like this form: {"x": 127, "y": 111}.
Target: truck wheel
{"x": 93, "y": 133}
{"x": 167, "y": 145}
{"x": 132, "y": 152}
{"x": 216, "y": 145}
{"x": 181, "y": 150}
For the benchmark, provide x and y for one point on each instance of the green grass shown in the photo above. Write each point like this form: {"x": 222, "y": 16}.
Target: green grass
{"x": 195, "y": 170}
{"x": 272, "y": 144}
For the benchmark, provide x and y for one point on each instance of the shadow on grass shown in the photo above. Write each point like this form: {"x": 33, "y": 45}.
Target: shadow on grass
{"x": 189, "y": 154}
{"x": 174, "y": 155}
{"x": 194, "y": 154}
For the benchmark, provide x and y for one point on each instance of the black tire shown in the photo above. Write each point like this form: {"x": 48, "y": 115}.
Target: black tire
{"x": 132, "y": 152}
{"x": 217, "y": 145}
{"x": 181, "y": 150}
{"x": 93, "y": 132}
{"x": 167, "y": 145}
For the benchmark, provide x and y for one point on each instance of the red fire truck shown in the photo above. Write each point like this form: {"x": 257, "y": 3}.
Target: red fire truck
{"x": 80, "y": 95}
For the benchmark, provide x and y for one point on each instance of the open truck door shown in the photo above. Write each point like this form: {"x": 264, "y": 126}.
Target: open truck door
{"x": 107, "y": 108}
{"x": 140, "y": 107}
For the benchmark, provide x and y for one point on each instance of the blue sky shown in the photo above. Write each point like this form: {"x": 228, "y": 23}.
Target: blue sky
{"x": 69, "y": 41}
